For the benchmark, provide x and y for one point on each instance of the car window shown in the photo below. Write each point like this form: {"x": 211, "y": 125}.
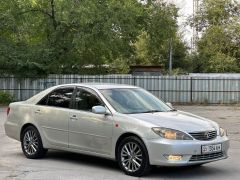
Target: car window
{"x": 134, "y": 100}
{"x": 86, "y": 99}
{"x": 43, "y": 101}
{"x": 58, "y": 98}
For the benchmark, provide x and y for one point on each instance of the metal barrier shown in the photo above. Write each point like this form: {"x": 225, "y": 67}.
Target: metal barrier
{"x": 178, "y": 89}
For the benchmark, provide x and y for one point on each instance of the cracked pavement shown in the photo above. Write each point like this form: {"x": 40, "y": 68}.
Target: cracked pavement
{"x": 65, "y": 165}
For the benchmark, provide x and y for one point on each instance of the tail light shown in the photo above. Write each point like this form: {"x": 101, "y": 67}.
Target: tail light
{"x": 8, "y": 110}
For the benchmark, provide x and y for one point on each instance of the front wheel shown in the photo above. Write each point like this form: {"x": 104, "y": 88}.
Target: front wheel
{"x": 133, "y": 157}
{"x": 32, "y": 144}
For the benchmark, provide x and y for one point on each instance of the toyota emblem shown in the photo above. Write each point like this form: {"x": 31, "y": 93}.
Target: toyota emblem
{"x": 208, "y": 135}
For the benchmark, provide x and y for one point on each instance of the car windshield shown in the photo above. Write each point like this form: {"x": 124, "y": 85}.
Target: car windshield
{"x": 134, "y": 100}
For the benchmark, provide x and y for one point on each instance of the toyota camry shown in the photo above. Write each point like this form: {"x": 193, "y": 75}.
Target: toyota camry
{"x": 120, "y": 122}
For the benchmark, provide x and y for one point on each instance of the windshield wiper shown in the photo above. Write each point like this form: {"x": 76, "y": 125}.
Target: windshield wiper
{"x": 151, "y": 111}
{"x": 173, "y": 110}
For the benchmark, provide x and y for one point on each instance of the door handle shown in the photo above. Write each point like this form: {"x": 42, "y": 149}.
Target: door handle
{"x": 74, "y": 118}
{"x": 38, "y": 111}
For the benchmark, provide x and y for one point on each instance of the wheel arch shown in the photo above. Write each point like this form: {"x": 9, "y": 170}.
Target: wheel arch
{"x": 25, "y": 126}
{"x": 123, "y": 136}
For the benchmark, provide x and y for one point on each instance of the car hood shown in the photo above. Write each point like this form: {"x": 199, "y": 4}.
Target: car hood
{"x": 178, "y": 120}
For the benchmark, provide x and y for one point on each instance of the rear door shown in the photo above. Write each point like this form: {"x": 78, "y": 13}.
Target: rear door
{"x": 52, "y": 114}
{"x": 89, "y": 131}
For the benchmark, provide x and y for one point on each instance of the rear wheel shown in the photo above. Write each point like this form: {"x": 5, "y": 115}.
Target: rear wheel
{"x": 133, "y": 157}
{"x": 32, "y": 143}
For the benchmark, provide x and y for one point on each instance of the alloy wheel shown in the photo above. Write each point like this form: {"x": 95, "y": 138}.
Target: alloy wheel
{"x": 131, "y": 157}
{"x": 30, "y": 142}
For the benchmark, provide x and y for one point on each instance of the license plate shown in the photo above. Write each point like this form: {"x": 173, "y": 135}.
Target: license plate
{"x": 211, "y": 148}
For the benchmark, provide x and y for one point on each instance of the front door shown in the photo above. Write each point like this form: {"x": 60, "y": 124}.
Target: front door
{"x": 89, "y": 131}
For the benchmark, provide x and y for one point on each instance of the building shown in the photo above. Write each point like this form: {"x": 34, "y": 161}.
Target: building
{"x": 146, "y": 70}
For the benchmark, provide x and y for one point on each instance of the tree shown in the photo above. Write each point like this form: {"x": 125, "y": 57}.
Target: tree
{"x": 152, "y": 47}
{"x": 218, "y": 48}
{"x": 39, "y": 37}
{"x": 56, "y": 36}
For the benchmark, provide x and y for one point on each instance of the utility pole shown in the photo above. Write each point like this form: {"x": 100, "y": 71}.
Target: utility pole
{"x": 170, "y": 56}
{"x": 196, "y": 6}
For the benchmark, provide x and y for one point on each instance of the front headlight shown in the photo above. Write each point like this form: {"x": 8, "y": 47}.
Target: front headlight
{"x": 171, "y": 134}
{"x": 222, "y": 132}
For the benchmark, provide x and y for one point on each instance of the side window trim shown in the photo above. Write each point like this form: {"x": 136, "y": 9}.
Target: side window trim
{"x": 46, "y": 96}
{"x": 92, "y": 91}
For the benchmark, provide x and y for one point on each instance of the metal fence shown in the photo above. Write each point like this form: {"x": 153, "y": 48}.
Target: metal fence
{"x": 178, "y": 89}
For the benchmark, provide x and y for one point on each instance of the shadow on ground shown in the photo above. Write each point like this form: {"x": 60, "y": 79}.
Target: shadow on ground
{"x": 188, "y": 172}
{"x": 75, "y": 158}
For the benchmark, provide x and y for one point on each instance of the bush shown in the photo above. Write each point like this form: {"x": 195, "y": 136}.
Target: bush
{"x": 5, "y": 98}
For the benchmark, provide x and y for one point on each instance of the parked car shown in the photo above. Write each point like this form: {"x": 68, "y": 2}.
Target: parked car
{"x": 124, "y": 123}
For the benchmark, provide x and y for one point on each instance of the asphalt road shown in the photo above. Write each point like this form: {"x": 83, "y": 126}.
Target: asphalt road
{"x": 64, "y": 165}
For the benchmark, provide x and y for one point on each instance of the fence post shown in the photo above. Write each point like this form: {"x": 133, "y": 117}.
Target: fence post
{"x": 191, "y": 89}
{"x": 20, "y": 89}
{"x": 134, "y": 81}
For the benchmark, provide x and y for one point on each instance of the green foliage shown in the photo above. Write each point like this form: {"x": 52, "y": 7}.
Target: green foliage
{"x": 142, "y": 50}
{"x": 179, "y": 71}
{"x": 153, "y": 44}
{"x": 221, "y": 63}
{"x": 161, "y": 28}
{"x": 218, "y": 48}
{"x": 39, "y": 37}
{"x": 119, "y": 66}
{"x": 5, "y": 98}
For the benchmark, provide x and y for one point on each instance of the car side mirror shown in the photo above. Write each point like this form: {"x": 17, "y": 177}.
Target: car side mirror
{"x": 99, "y": 110}
{"x": 170, "y": 105}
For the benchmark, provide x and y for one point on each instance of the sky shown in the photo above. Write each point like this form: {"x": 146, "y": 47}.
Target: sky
{"x": 185, "y": 10}
{"x": 186, "y": 6}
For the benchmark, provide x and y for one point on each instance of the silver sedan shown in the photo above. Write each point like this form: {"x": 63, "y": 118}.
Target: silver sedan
{"x": 119, "y": 122}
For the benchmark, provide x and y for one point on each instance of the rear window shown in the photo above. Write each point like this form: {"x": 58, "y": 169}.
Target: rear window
{"x": 58, "y": 98}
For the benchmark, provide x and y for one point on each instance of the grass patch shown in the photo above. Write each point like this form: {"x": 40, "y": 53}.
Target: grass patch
{"x": 5, "y": 98}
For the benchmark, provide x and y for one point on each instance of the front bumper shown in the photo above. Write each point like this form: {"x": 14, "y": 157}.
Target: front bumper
{"x": 190, "y": 150}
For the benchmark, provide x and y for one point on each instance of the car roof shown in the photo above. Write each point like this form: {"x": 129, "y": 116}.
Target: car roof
{"x": 100, "y": 85}
{"x": 96, "y": 86}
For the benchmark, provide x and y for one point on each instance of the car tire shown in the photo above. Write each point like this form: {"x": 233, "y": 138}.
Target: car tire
{"x": 133, "y": 157}
{"x": 31, "y": 143}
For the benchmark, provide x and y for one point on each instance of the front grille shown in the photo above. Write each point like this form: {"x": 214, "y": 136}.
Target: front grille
{"x": 205, "y": 157}
{"x": 204, "y": 136}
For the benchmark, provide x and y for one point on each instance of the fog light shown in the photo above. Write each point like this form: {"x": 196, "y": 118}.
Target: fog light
{"x": 174, "y": 158}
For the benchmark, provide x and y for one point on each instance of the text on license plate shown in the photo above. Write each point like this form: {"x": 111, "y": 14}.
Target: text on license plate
{"x": 211, "y": 148}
